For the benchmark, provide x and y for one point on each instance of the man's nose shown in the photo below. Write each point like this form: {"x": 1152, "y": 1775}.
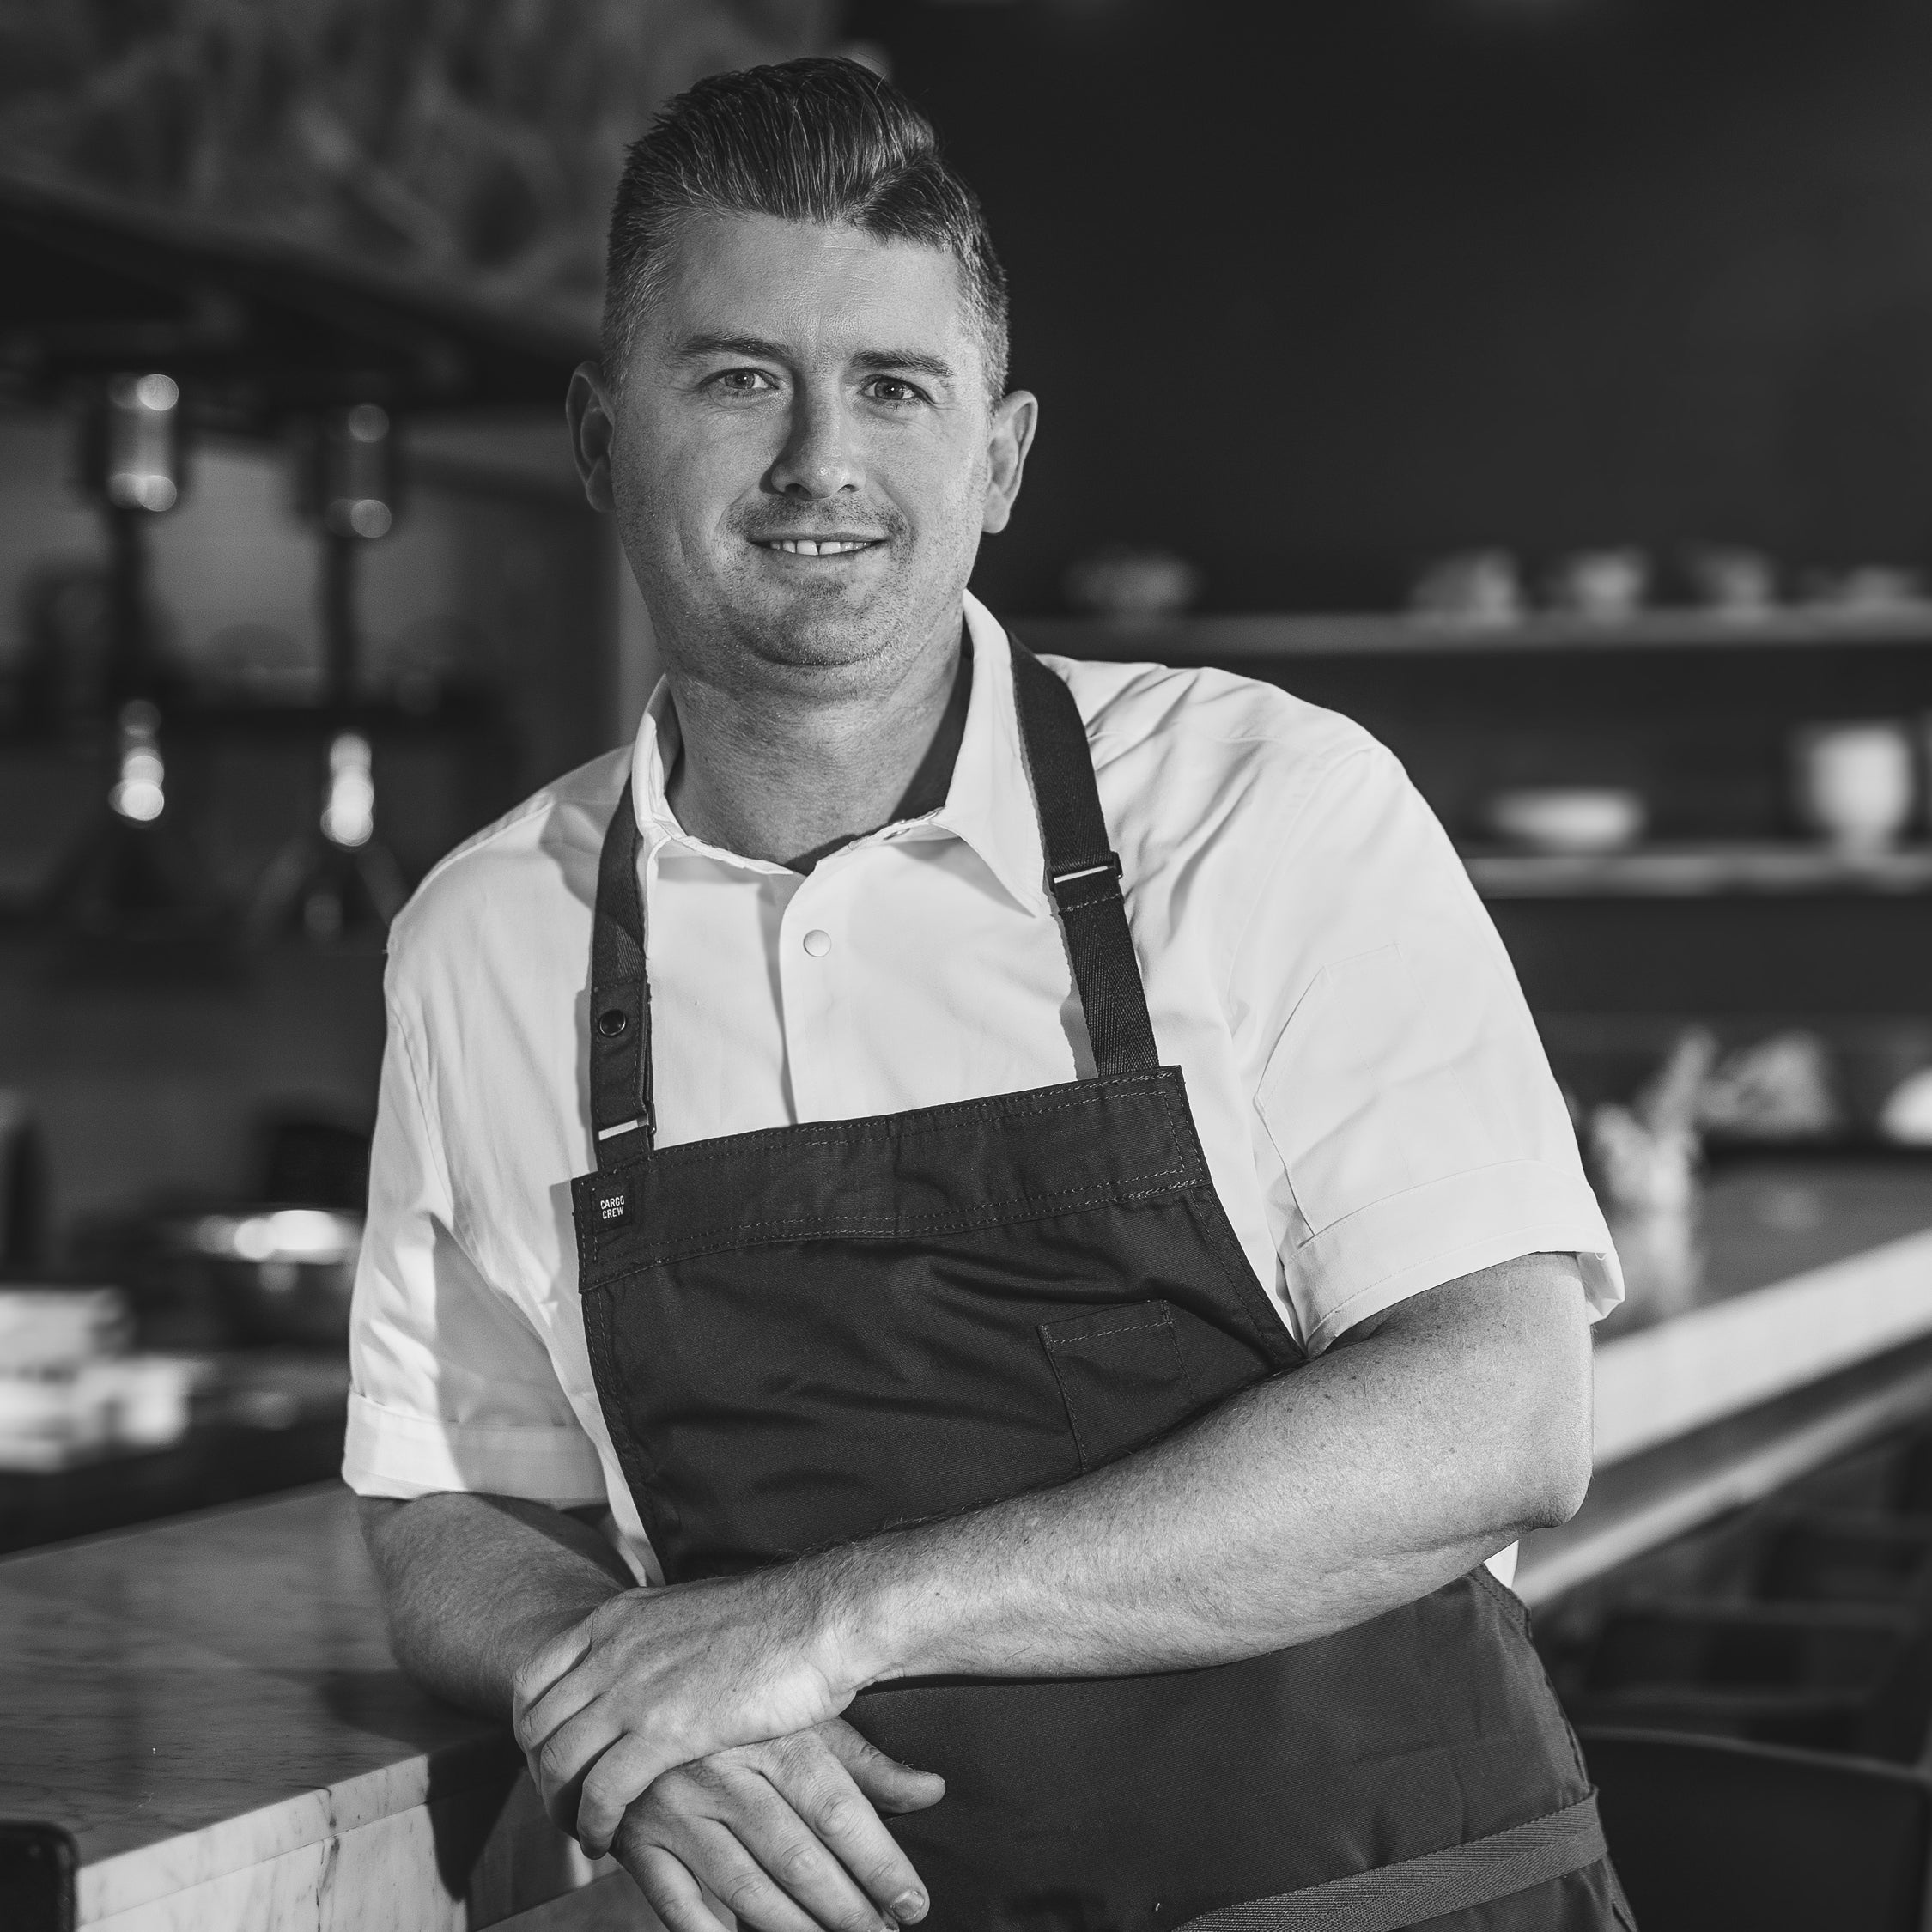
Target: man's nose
{"x": 819, "y": 459}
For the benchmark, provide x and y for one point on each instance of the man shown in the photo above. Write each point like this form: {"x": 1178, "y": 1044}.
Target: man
{"x": 1083, "y": 1349}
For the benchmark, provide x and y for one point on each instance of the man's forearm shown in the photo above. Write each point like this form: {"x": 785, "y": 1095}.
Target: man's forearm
{"x": 472, "y": 1585}
{"x": 1301, "y": 1507}
{"x": 1308, "y": 1503}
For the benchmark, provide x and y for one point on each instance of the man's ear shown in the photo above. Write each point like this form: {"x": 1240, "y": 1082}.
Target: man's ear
{"x": 1011, "y": 436}
{"x": 592, "y": 419}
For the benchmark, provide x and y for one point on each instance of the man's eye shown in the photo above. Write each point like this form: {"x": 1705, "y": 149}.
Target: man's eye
{"x": 892, "y": 389}
{"x": 742, "y": 382}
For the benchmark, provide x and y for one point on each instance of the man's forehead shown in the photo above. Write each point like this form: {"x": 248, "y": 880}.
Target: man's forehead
{"x": 812, "y": 287}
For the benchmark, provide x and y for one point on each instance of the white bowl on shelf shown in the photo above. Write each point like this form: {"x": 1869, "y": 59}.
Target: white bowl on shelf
{"x": 1575, "y": 818}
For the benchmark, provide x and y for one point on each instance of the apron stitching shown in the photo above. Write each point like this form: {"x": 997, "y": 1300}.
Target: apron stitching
{"x": 631, "y": 1453}
{"x": 931, "y": 1119}
{"x": 886, "y": 1226}
{"x": 1101, "y": 1334}
{"x": 1164, "y": 1324}
{"x": 1224, "y": 1245}
{"x": 1074, "y": 1423}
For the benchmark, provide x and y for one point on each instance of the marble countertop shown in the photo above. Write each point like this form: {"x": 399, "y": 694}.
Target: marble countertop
{"x": 208, "y": 1705}
{"x": 1786, "y": 1272}
{"x": 1784, "y": 1322}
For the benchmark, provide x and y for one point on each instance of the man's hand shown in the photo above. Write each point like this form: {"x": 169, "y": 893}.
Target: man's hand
{"x": 786, "y": 1834}
{"x": 652, "y": 1679}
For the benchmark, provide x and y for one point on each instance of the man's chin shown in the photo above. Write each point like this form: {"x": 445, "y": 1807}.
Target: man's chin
{"x": 822, "y": 620}
{"x": 819, "y": 626}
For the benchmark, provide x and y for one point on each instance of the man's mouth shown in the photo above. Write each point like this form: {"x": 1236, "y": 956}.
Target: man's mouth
{"x": 818, "y": 546}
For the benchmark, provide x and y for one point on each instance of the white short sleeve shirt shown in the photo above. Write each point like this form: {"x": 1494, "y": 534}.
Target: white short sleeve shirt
{"x": 1373, "y": 1099}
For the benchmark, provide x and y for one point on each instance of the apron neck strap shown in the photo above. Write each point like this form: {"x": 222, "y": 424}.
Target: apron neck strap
{"x": 1083, "y": 871}
{"x": 620, "y": 1004}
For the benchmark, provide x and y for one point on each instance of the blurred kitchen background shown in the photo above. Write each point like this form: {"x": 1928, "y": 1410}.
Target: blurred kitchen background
{"x": 1546, "y": 384}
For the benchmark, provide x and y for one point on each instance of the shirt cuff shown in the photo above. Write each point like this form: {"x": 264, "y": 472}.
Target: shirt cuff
{"x": 1409, "y": 1243}
{"x": 391, "y": 1452}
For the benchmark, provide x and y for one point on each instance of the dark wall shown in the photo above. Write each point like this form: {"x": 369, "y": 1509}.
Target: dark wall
{"x": 1311, "y": 293}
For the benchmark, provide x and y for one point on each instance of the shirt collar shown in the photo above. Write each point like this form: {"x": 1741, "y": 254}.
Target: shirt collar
{"x": 989, "y": 803}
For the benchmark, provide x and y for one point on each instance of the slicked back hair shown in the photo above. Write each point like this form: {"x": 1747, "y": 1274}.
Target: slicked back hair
{"x": 815, "y": 140}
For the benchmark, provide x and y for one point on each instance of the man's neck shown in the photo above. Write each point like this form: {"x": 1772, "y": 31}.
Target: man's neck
{"x": 766, "y": 776}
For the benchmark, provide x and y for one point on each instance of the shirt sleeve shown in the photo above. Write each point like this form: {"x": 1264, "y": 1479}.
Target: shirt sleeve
{"x": 451, "y": 1387}
{"x": 1417, "y": 1133}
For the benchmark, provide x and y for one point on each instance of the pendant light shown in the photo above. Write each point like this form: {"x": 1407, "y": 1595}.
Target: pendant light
{"x": 131, "y": 874}
{"x": 337, "y": 878}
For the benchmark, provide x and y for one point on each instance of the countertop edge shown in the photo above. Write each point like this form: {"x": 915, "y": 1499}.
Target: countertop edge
{"x": 145, "y": 1874}
{"x": 1721, "y": 1360}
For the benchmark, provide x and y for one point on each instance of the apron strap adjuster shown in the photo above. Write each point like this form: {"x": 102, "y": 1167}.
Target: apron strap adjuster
{"x": 1091, "y": 882}
{"x": 1085, "y": 868}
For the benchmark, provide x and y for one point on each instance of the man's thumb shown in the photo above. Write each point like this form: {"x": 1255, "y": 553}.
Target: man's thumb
{"x": 890, "y": 1785}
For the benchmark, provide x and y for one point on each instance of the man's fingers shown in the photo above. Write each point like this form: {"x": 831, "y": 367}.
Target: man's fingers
{"x": 539, "y": 1676}
{"x": 672, "y": 1892}
{"x": 890, "y": 1785}
{"x": 539, "y": 1717}
{"x": 738, "y": 1883}
{"x": 805, "y": 1867}
{"x": 566, "y": 1757}
{"x": 815, "y": 1785}
{"x": 735, "y": 1834}
{"x": 622, "y": 1775}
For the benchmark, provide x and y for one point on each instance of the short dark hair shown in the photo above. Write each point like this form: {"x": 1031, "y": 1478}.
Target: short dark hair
{"x": 814, "y": 140}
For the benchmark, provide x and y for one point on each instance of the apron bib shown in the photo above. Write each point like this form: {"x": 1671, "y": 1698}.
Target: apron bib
{"x": 804, "y": 1335}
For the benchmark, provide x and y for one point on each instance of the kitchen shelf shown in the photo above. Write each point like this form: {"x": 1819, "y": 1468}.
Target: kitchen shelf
{"x": 1369, "y": 634}
{"x": 1697, "y": 871}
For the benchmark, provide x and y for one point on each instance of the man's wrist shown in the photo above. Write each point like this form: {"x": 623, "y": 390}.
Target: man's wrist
{"x": 527, "y": 1637}
{"x": 860, "y": 1607}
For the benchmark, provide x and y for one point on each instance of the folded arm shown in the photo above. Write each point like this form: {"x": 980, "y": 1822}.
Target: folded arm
{"x": 1305, "y": 1505}
{"x": 1308, "y": 1504}
{"x": 785, "y": 1832}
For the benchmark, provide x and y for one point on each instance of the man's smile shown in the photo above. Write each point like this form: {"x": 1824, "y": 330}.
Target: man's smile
{"x": 818, "y": 546}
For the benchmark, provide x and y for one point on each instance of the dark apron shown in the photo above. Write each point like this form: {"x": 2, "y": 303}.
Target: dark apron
{"x": 802, "y": 1336}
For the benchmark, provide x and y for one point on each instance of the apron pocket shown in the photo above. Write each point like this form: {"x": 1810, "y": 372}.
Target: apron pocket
{"x": 1120, "y": 1375}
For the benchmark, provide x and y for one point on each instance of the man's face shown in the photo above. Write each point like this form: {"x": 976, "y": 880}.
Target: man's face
{"x": 802, "y": 455}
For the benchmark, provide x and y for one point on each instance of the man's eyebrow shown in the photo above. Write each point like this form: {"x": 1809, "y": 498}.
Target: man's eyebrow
{"x": 911, "y": 359}
{"x": 756, "y": 347}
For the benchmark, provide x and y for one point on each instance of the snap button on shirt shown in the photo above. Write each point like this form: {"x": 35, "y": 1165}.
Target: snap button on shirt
{"x": 817, "y": 944}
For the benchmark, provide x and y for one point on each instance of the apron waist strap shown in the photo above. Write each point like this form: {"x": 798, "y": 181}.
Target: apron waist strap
{"x": 1391, "y": 1897}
